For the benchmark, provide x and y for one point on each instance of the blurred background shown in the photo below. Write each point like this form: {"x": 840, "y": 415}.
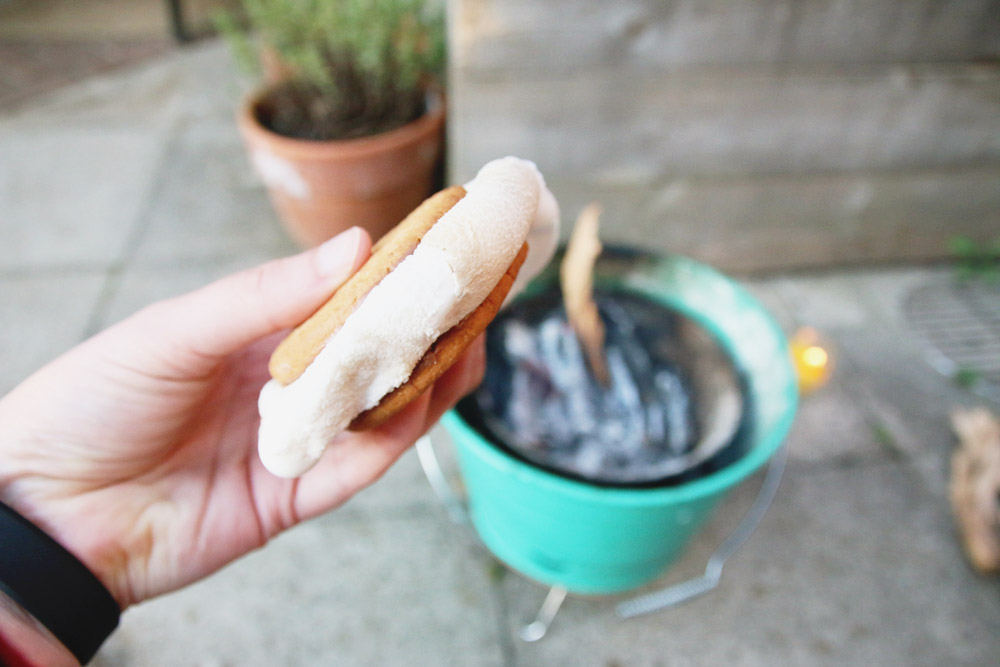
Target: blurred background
{"x": 763, "y": 135}
{"x": 754, "y": 135}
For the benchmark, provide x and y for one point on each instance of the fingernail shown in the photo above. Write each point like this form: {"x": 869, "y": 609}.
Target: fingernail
{"x": 335, "y": 258}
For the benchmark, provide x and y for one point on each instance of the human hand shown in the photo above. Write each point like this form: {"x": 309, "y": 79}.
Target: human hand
{"x": 137, "y": 451}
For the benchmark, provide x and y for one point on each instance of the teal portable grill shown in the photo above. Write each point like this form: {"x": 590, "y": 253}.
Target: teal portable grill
{"x": 584, "y": 538}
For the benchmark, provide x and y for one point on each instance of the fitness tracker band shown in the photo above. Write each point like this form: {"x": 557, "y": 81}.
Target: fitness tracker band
{"x": 49, "y": 583}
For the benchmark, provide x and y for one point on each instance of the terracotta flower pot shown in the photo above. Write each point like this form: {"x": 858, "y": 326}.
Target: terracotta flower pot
{"x": 320, "y": 188}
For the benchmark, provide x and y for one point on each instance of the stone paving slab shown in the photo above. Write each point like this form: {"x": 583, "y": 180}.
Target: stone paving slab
{"x": 906, "y": 399}
{"x": 335, "y": 591}
{"x": 95, "y": 20}
{"x": 228, "y": 214}
{"x": 851, "y": 566}
{"x": 196, "y": 82}
{"x": 43, "y": 315}
{"x": 73, "y": 194}
{"x": 32, "y": 67}
{"x": 829, "y": 428}
{"x": 139, "y": 285}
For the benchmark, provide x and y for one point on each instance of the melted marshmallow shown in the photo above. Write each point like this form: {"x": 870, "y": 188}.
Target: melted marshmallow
{"x": 453, "y": 269}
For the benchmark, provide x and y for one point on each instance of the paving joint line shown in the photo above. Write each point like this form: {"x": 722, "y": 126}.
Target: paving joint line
{"x": 137, "y": 232}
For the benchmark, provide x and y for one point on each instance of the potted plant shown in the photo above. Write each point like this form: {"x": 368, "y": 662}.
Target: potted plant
{"x": 347, "y": 126}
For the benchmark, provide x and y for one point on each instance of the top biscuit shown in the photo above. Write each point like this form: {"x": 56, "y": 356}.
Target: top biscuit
{"x": 294, "y": 354}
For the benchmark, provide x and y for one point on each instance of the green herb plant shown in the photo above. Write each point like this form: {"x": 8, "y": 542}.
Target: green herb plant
{"x": 976, "y": 260}
{"x": 348, "y": 68}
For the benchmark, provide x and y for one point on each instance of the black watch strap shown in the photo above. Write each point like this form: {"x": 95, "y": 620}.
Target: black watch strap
{"x": 49, "y": 583}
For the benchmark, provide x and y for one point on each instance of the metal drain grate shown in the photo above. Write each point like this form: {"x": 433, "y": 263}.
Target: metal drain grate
{"x": 960, "y": 321}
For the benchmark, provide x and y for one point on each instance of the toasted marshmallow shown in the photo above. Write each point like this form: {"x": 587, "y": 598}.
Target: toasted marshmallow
{"x": 452, "y": 270}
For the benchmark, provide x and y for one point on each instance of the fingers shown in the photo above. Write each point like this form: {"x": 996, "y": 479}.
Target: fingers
{"x": 355, "y": 460}
{"x": 229, "y": 314}
{"x": 358, "y": 459}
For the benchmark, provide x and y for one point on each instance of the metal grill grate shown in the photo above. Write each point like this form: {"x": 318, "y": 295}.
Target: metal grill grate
{"x": 960, "y": 321}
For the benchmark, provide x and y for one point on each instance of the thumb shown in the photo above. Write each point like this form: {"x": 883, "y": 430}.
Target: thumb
{"x": 229, "y": 314}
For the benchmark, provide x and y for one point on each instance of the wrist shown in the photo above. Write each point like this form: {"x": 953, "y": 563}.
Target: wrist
{"x": 56, "y": 589}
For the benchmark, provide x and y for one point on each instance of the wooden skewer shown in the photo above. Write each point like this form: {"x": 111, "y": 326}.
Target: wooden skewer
{"x": 975, "y": 486}
{"x": 576, "y": 275}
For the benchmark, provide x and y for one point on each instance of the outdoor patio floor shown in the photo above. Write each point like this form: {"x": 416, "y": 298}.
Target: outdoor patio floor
{"x": 132, "y": 186}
